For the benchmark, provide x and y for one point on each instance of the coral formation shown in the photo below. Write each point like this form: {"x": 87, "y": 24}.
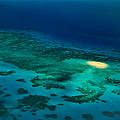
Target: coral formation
{"x": 68, "y": 118}
{"x": 64, "y": 69}
{"x": 21, "y": 80}
{"x": 87, "y": 116}
{"x": 22, "y": 91}
{"x": 54, "y": 116}
{"x": 35, "y": 101}
{"x": 3, "y": 109}
{"x": 7, "y": 73}
{"x": 108, "y": 114}
{"x": 57, "y": 64}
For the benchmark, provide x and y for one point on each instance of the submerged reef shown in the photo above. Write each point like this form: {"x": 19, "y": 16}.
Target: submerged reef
{"x": 109, "y": 114}
{"x": 46, "y": 83}
{"x": 59, "y": 68}
{"x": 6, "y": 73}
{"x": 35, "y": 102}
{"x": 87, "y": 116}
{"x": 28, "y": 53}
{"x": 3, "y": 109}
{"x": 89, "y": 95}
{"x": 54, "y": 116}
{"x": 68, "y": 118}
{"x": 22, "y": 91}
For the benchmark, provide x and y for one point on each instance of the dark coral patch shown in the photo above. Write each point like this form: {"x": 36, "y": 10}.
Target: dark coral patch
{"x": 116, "y": 91}
{"x": 3, "y": 109}
{"x": 53, "y": 94}
{"x": 1, "y": 92}
{"x": 33, "y": 114}
{"x": 7, "y": 73}
{"x": 114, "y": 82}
{"x": 60, "y": 104}
{"x": 53, "y": 116}
{"x": 82, "y": 98}
{"x": 68, "y": 118}
{"x": 35, "y": 102}
{"x": 45, "y": 83}
{"x": 19, "y": 115}
{"x": 87, "y": 116}
{"x": 51, "y": 107}
{"x": 108, "y": 114}
{"x": 22, "y": 91}
{"x": 52, "y": 85}
{"x": 7, "y": 95}
{"x": 117, "y": 112}
{"x": 21, "y": 80}
{"x": 63, "y": 77}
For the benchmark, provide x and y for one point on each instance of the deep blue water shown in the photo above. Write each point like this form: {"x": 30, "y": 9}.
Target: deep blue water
{"x": 92, "y": 22}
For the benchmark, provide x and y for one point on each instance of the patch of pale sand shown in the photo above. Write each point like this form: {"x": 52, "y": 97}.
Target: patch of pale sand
{"x": 97, "y": 64}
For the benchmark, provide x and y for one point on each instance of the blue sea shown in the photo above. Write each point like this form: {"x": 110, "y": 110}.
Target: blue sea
{"x": 94, "y": 22}
{"x": 45, "y": 46}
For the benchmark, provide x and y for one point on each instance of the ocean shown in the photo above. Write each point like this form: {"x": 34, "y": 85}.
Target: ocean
{"x": 93, "y": 22}
{"x": 59, "y": 60}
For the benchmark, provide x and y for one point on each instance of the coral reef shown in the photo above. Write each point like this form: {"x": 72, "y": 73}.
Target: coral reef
{"x": 46, "y": 83}
{"x": 64, "y": 69}
{"x": 68, "y": 118}
{"x": 108, "y": 114}
{"x": 35, "y": 101}
{"x": 54, "y": 116}
{"x": 87, "y": 116}
{"x": 3, "y": 109}
{"x": 6, "y": 73}
{"x": 57, "y": 64}
{"x": 116, "y": 91}
{"x": 21, "y": 80}
{"x": 22, "y": 91}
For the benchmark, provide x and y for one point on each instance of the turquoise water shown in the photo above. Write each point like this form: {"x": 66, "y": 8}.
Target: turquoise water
{"x": 45, "y": 47}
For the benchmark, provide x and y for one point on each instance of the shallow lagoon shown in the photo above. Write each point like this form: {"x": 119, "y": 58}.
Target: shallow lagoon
{"x": 43, "y": 80}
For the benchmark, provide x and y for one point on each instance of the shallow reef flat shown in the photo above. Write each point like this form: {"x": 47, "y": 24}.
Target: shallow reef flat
{"x": 43, "y": 81}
